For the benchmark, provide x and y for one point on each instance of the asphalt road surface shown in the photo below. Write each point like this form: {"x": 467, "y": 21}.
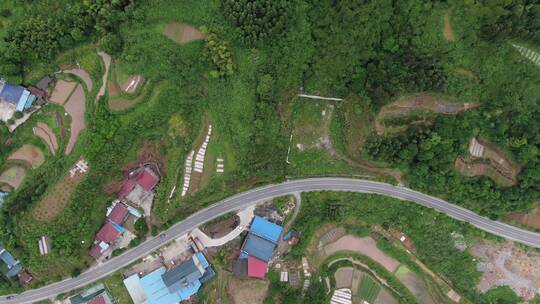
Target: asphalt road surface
{"x": 258, "y": 195}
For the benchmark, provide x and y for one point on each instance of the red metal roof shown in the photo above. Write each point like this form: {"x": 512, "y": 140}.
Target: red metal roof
{"x": 119, "y": 213}
{"x": 126, "y": 188}
{"x": 35, "y": 91}
{"x": 147, "y": 179}
{"x": 97, "y": 300}
{"x": 108, "y": 233}
{"x": 256, "y": 267}
{"x": 95, "y": 252}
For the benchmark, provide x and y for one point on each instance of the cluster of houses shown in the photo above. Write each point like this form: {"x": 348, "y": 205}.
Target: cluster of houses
{"x": 16, "y": 98}
{"x": 258, "y": 248}
{"x": 174, "y": 285}
{"x": 135, "y": 192}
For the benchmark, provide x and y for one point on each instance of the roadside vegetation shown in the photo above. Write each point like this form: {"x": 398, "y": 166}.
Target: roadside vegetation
{"x": 180, "y": 65}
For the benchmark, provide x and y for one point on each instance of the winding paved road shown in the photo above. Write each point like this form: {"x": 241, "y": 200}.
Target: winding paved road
{"x": 258, "y": 195}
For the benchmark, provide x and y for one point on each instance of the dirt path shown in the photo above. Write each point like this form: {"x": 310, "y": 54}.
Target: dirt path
{"x": 43, "y": 131}
{"x": 75, "y": 107}
{"x": 448, "y": 33}
{"x": 82, "y": 74}
{"x": 107, "y": 62}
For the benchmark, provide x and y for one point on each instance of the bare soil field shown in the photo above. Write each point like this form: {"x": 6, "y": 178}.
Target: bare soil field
{"x": 62, "y": 91}
{"x": 248, "y": 290}
{"x": 344, "y": 277}
{"x": 43, "y": 131}
{"x": 410, "y": 105}
{"x": 107, "y": 62}
{"x": 448, "y": 33}
{"x": 57, "y": 198}
{"x": 13, "y": 176}
{"x": 415, "y": 284}
{"x": 132, "y": 84}
{"x": 221, "y": 228}
{"x": 83, "y": 75}
{"x": 75, "y": 107}
{"x": 365, "y": 246}
{"x": 530, "y": 219}
{"x": 30, "y": 154}
{"x": 182, "y": 33}
{"x": 385, "y": 297}
{"x": 508, "y": 265}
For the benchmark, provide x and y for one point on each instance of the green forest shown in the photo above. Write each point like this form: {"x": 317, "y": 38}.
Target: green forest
{"x": 256, "y": 57}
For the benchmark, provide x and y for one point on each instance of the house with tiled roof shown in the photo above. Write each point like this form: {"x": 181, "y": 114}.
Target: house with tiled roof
{"x": 106, "y": 236}
{"x": 97, "y": 294}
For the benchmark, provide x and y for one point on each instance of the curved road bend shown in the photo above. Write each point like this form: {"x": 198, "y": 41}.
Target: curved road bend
{"x": 258, "y": 195}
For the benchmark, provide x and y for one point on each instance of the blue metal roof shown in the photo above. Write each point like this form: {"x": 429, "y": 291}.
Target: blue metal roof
{"x": 155, "y": 289}
{"x": 14, "y": 271}
{"x": 11, "y": 93}
{"x": 265, "y": 229}
{"x": 22, "y": 100}
{"x": 3, "y": 196}
{"x": 118, "y": 227}
{"x": 202, "y": 259}
{"x": 258, "y": 247}
{"x": 8, "y": 259}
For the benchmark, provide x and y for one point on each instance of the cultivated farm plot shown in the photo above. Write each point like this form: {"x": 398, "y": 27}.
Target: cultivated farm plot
{"x": 415, "y": 284}
{"x": 57, "y": 198}
{"x": 13, "y": 176}
{"x": 75, "y": 107}
{"x": 385, "y": 297}
{"x": 43, "y": 131}
{"x": 365, "y": 246}
{"x": 84, "y": 76}
{"x": 125, "y": 91}
{"x": 344, "y": 277}
{"x": 182, "y": 33}
{"x": 62, "y": 91}
{"x": 29, "y": 154}
{"x": 368, "y": 289}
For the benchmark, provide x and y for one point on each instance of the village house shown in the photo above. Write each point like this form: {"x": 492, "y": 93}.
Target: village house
{"x": 11, "y": 267}
{"x": 174, "y": 285}
{"x": 110, "y": 231}
{"x": 97, "y": 294}
{"x": 258, "y": 248}
{"x": 14, "y": 98}
{"x": 138, "y": 188}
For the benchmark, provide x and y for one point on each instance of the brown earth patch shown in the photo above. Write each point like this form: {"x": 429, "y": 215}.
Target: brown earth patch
{"x": 504, "y": 264}
{"x": 344, "y": 277}
{"x": 182, "y": 33}
{"x": 220, "y": 229}
{"x": 251, "y": 291}
{"x": 365, "y": 246}
{"x": 43, "y": 131}
{"x": 410, "y": 105}
{"x": 62, "y": 91}
{"x": 448, "y": 33}
{"x": 56, "y": 199}
{"x": 492, "y": 163}
{"x": 530, "y": 219}
{"x": 385, "y": 297}
{"x": 76, "y": 108}
{"x": 132, "y": 84}
{"x": 13, "y": 176}
{"x": 30, "y": 154}
{"x": 83, "y": 75}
